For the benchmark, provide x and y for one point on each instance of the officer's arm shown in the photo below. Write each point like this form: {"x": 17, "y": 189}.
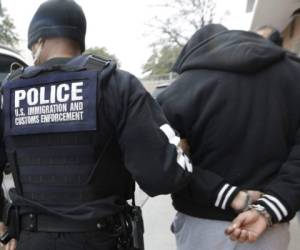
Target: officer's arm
{"x": 149, "y": 145}
{"x": 11, "y": 244}
{"x": 2, "y": 166}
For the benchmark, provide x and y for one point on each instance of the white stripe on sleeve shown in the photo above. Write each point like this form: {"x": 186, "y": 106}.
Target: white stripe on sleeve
{"x": 220, "y": 194}
{"x": 170, "y": 133}
{"x": 189, "y": 164}
{"x": 229, "y": 193}
{"x": 271, "y": 206}
{"x": 182, "y": 160}
{"x": 278, "y": 203}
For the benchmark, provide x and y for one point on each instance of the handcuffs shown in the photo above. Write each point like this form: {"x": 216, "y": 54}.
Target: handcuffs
{"x": 262, "y": 211}
{"x": 259, "y": 208}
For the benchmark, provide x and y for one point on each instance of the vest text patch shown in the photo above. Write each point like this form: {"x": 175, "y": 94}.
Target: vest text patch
{"x": 58, "y": 102}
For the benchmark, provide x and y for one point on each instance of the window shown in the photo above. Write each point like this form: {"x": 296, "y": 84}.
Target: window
{"x": 5, "y": 62}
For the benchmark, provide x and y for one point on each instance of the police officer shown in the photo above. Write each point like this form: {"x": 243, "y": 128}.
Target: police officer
{"x": 78, "y": 132}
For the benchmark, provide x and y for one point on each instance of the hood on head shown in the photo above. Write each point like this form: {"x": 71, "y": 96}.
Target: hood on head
{"x": 214, "y": 47}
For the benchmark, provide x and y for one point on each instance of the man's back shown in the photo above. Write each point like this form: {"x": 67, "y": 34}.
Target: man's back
{"x": 236, "y": 102}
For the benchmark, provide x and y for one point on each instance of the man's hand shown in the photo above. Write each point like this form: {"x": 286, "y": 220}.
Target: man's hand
{"x": 240, "y": 200}
{"x": 254, "y": 194}
{"x": 12, "y": 244}
{"x": 247, "y": 227}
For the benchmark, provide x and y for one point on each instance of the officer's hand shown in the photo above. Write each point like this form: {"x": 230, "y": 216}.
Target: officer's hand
{"x": 12, "y": 244}
{"x": 247, "y": 227}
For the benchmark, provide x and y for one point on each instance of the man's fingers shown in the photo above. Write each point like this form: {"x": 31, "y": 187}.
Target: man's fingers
{"x": 231, "y": 228}
{"x": 234, "y": 236}
{"x": 7, "y": 246}
{"x": 237, "y": 233}
{"x": 246, "y": 218}
{"x": 3, "y": 228}
{"x": 243, "y": 236}
{"x": 252, "y": 237}
{"x": 11, "y": 245}
{"x": 239, "y": 220}
{"x": 236, "y": 224}
{"x": 255, "y": 195}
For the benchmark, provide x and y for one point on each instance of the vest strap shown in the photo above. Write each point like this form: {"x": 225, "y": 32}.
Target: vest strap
{"x": 47, "y": 223}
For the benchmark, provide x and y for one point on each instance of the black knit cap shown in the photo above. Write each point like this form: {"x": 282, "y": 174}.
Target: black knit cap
{"x": 58, "y": 18}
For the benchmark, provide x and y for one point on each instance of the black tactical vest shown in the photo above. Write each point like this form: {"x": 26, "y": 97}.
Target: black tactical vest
{"x": 59, "y": 139}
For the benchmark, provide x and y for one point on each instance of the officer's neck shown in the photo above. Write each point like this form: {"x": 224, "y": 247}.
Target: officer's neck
{"x": 59, "y": 48}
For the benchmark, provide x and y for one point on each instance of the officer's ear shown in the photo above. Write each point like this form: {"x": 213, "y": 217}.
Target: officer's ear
{"x": 36, "y": 50}
{"x": 40, "y": 42}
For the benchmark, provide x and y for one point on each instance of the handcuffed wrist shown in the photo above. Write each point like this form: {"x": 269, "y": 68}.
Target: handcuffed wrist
{"x": 274, "y": 206}
{"x": 262, "y": 211}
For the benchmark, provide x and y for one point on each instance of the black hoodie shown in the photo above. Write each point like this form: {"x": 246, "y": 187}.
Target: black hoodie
{"x": 237, "y": 102}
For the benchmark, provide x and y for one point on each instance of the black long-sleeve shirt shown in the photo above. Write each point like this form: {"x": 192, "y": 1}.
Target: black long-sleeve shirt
{"x": 237, "y": 102}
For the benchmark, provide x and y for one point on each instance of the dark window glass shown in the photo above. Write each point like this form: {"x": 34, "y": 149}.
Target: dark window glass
{"x": 5, "y": 62}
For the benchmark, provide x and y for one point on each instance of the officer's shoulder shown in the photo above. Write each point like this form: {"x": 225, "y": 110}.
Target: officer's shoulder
{"x": 125, "y": 78}
{"x": 126, "y": 81}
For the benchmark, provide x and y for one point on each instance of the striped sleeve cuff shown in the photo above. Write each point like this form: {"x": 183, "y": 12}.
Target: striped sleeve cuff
{"x": 274, "y": 206}
{"x": 225, "y": 196}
